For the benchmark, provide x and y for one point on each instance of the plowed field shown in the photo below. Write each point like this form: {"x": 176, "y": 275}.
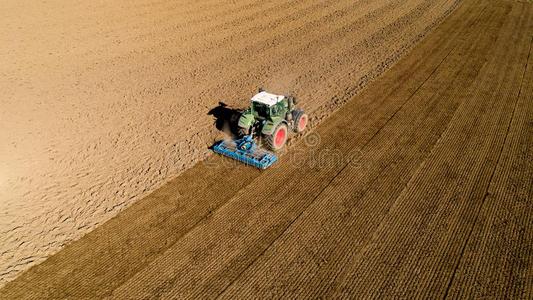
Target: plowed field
{"x": 104, "y": 101}
{"x": 421, "y": 185}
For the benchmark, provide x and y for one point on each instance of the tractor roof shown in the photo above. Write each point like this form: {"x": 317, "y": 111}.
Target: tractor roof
{"x": 267, "y": 98}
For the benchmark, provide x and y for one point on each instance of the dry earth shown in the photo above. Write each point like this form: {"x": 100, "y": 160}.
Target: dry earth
{"x": 419, "y": 187}
{"x": 104, "y": 101}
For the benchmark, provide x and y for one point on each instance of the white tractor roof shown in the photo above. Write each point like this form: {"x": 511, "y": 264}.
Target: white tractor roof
{"x": 267, "y": 98}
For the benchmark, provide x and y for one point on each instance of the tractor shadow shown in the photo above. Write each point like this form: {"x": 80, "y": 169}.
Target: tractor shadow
{"x": 226, "y": 118}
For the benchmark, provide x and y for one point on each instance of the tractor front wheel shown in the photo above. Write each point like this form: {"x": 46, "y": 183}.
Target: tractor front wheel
{"x": 278, "y": 138}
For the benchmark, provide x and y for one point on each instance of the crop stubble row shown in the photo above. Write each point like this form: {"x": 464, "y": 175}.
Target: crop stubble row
{"x": 502, "y": 234}
{"x": 442, "y": 200}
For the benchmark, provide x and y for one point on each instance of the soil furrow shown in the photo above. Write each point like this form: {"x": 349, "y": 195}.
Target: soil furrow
{"x": 502, "y": 234}
{"x": 446, "y": 213}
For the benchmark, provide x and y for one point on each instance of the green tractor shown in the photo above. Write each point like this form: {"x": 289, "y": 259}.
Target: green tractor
{"x": 272, "y": 116}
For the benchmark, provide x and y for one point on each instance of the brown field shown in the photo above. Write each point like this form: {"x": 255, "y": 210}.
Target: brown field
{"x": 420, "y": 186}
{"x": 105, "y": 101}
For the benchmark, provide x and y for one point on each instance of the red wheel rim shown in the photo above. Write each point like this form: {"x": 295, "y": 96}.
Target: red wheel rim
{"x": 302, "y": 123}
{"x": 280, "y": 137}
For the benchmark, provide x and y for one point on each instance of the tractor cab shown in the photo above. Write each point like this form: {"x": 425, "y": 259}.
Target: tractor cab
{"x": 266, "y": 105}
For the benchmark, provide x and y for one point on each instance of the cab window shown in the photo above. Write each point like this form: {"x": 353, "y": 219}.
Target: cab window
{"x": 261, "y": 109}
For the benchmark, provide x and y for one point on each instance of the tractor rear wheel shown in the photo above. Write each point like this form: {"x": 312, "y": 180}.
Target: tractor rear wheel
{"x": 300, "y": 121}
{"x": 278, "y": 138}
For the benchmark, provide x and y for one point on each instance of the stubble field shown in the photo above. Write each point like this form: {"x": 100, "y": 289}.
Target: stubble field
{"x": 419, "y": 186}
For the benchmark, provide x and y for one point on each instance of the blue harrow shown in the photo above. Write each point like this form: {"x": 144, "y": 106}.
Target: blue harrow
{"x": 246, "y": 151}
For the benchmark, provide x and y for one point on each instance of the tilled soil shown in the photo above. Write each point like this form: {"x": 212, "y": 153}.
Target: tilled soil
{"x": 103, "y": 102}
{"x": 420, "y": 186}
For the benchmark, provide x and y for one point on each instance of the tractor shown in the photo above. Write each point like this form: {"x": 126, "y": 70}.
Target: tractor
{"x": 272, "y": 116}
